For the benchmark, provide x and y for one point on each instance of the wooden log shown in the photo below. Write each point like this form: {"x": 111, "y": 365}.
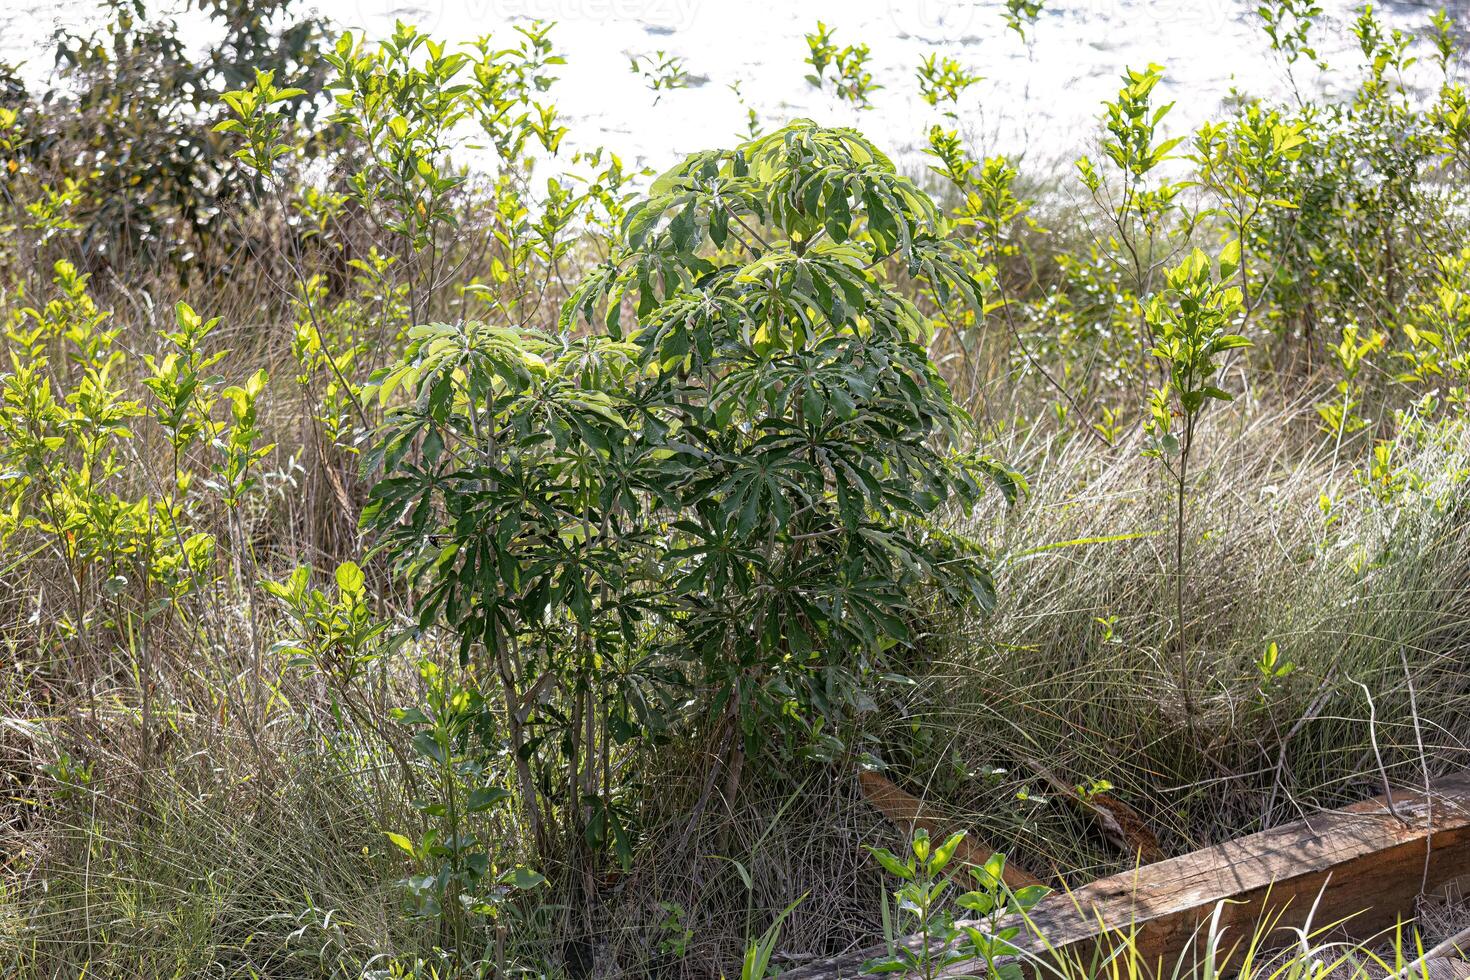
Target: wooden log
{"x": 1364, "y": 864}
{"x": 1119, "y": 822}
{"x": 1444, "y": 968}
{"x": 908, "y": 813}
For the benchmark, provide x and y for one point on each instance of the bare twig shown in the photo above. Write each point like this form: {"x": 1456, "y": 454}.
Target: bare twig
{"x": 1378, "y": 754}
{"x": 1424, "y": 767}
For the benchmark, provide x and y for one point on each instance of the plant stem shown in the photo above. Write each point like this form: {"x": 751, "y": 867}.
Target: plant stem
{"x": 1180, "y": 518}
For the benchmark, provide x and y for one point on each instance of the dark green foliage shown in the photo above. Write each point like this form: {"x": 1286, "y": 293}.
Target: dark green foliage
{"x": 730, "y": 501}
{"x": 127, "y": 121}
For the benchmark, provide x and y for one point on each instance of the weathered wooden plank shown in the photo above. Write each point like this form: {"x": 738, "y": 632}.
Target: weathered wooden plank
{"x": 1443, "y": 968}
{"x": 1366, "y": 862}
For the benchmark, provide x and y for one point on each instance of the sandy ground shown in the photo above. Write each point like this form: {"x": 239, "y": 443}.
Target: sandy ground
{"x": 1040, "y": 99}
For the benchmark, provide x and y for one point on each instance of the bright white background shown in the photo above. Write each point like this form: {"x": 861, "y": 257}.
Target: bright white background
{"x": 1040, "y": 99}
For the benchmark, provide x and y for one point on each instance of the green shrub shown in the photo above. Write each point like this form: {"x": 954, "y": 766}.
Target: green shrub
{"x": 723, "y": 517}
